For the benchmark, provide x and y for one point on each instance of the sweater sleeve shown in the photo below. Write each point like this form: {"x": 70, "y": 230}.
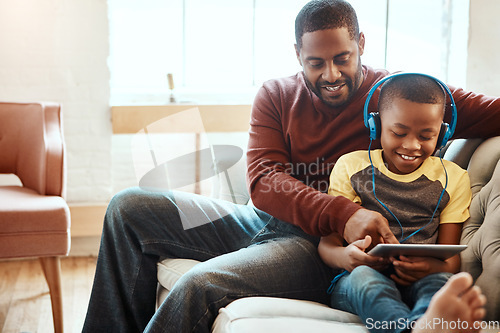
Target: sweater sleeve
{"x": 272, "y": 187}
{"x": 478, "y": 115}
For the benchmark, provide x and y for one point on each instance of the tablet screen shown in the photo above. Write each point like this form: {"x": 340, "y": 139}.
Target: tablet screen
{"x": 440, "y": 251}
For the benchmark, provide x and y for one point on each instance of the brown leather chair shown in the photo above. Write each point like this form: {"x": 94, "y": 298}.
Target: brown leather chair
{"x": 34, "y": 217}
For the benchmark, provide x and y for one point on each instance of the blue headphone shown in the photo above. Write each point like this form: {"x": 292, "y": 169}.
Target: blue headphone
{"x": 372, "y": 120}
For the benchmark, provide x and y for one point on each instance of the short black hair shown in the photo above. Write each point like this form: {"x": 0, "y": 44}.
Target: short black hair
{"x": 412, "y": 87}
{"x": 326, "y": 14}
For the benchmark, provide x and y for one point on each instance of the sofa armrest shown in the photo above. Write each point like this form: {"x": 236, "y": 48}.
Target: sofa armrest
{"x": 460, "y": 151}
{"x": 481, "y": 232}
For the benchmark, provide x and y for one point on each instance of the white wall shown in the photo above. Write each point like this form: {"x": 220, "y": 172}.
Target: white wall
{"x": 56, "y": 50}
{"x": 483, "y": 70}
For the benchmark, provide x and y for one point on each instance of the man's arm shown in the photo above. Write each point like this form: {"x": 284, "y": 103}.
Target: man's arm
{"x": 478, "y": 115}
{"x": 274, "y": 190}
{"x": 356, "y": 226}
{"x": 272, "y": 187}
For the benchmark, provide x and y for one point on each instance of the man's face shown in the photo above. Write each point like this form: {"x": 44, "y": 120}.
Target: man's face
{"x": 409, "y": 133}
{"x": 332, "y": 64}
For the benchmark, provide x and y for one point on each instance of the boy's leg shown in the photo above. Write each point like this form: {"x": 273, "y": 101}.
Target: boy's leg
{"x": 420, "y": 293}
{"x": 373, "y": 297}
{"x": 457, "y": 307}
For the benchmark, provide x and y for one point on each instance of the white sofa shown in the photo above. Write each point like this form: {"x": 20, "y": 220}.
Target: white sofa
{"x": 481, "y": 259}
{"x": 264, "y": 314}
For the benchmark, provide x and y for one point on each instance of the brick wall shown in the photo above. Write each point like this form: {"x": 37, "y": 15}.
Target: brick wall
{"x": 484, "y": 46}
{"x": 56, "y": 50}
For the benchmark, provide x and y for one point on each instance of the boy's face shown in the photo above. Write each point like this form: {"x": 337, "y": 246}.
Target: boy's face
{"x": 409, "y": 133}
{"x": 332, "y": 65}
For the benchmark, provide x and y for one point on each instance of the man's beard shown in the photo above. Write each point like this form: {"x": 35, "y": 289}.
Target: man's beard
{"x": 352, "y": 88}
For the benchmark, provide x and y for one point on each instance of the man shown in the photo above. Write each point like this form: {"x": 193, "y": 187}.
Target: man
{"x": 299, "y": 127}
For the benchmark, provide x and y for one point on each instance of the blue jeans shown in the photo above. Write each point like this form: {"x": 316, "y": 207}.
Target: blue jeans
{"x": 245, "y": 252}
{"x": 380, "y": 303}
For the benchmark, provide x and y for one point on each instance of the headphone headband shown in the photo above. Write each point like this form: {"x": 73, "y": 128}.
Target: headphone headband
{"x": 371, "y": 124}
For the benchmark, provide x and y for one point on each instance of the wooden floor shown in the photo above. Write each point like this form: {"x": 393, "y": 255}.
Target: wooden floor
{"x": 24, "y": 295}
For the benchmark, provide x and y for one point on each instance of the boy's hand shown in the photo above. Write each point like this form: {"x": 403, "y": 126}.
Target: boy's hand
{"x": 367, "y": 222}
{"x": 355, "y": 256}
{"x": 411, "y": 269}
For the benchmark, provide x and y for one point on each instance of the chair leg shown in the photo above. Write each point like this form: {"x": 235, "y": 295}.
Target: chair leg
{"x": 52, "y": 270}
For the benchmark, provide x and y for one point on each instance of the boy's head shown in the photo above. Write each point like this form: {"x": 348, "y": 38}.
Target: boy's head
{"x": 411, "y": 109}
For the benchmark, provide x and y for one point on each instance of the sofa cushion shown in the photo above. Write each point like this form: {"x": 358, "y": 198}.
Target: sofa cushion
{"x": 263, "y": 314}
{"x": 268, "y": 314}
{"x": 169, "y": 271}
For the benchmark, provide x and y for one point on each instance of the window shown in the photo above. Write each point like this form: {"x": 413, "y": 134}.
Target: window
{"x": 222, "y": 50}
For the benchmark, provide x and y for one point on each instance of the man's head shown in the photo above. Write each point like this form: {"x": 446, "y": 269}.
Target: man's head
{"x": 411, "y": 109}
{"x": 326, "y": 14}
{"x": 329, "y": 46}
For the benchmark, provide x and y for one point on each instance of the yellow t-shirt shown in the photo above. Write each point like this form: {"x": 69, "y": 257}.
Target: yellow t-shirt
{"x": 412, "y": 197}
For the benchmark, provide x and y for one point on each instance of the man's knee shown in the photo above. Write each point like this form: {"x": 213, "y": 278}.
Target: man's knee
{"x": 125, "y": 199}
{"x": 203, "y": 283}
{"x": 126, "y": 206}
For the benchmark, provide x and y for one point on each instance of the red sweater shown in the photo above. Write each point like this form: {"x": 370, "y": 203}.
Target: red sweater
{"x": 295, "y": 139}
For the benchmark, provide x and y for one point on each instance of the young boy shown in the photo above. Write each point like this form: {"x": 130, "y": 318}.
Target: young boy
{"x": 404, "y": 183}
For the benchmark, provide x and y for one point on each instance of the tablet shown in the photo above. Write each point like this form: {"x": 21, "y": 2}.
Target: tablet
{"x": 440, "y": 251}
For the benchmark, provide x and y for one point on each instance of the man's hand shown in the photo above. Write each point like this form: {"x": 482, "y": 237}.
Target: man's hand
{"x": 367, "y": 222}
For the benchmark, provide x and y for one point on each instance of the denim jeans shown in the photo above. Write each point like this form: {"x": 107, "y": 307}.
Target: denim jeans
{"x": 244, "y": 252}
{"x": 380, "y": 303}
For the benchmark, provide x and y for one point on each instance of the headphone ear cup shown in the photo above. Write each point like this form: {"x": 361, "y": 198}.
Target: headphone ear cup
{"x": 374, "y": 125}
{"x": 443, "y": 135}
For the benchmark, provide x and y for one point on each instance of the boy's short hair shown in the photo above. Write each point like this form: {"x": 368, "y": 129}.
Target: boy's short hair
{"x": 326, "y": 14}
{"x": 412, "y": 87}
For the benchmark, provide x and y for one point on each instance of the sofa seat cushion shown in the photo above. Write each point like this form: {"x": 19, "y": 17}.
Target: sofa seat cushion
{"x": 169, "y": 271}
{"x": 267, "y": 314}
{"x": 263, "y": 314}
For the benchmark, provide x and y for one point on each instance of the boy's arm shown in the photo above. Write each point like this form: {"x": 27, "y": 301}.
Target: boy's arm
{"x": 449, "y": 233}
{"x": 334, "y": 254}
{"x": 412, "y": 269}
{"x": 331, "y": 250}
{"x": 452, "y": 217}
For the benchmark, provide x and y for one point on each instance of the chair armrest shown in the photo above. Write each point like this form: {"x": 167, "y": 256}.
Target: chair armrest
{"x": 55, "y": 148}
{"x": 32, "y": 146}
